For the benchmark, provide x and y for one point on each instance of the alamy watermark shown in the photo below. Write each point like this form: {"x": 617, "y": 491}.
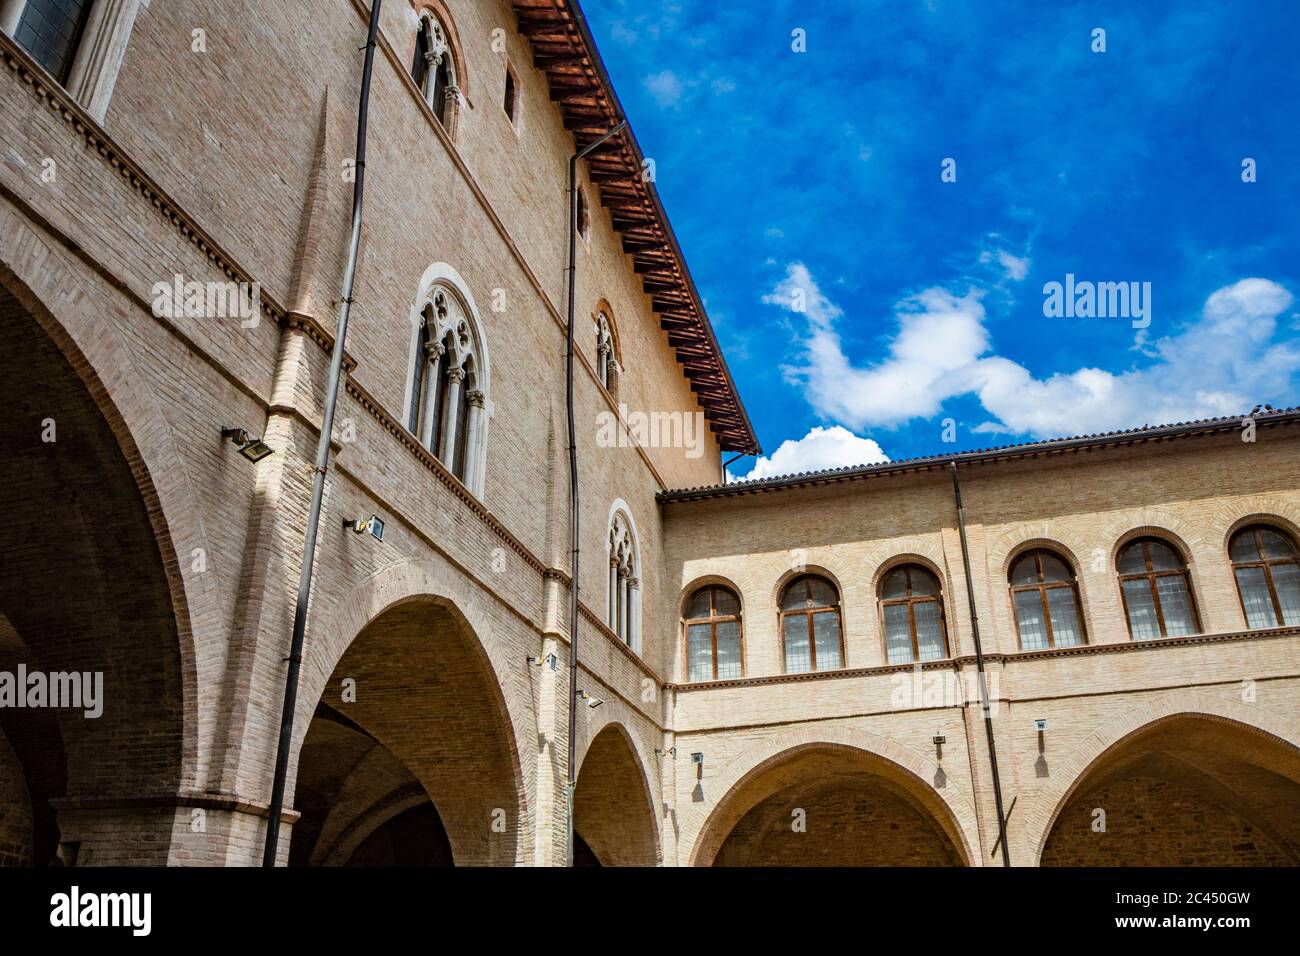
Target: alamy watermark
{"x": 918, "y": 688}
{"x": 1102, "y": 300}
{"x": 674, "y": 429}
{"x": 74, "y": 690}
{"x": 181, "y": 299}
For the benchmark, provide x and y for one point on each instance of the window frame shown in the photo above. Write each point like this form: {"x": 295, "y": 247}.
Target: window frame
{"x": 1043, "y": 587}
{"x": 810, "y": 611}
{"x": 713, "y": 620}
{"x": 911, "y": 600}
{"x": 1264, "y": 563}
{"x": 1150, "y": 575}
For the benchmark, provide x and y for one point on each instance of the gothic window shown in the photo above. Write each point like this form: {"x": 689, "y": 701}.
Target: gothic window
{"x": 1046, "y": 598}
{"x": 713, "y": 634}
{"x": 434, "y": 70}
{"x": 1268, "y": 576}
{"x": 606, "y": 360}
{"x": 447, "y": 412}
{"x": 50, "y": 30}
{"x": 584, "y": 217}
{"x": 1153, "y": 583}
{"x": 624, "y": 606}
{"x": 810, "y": 625}
{"x": 911, "y": 603}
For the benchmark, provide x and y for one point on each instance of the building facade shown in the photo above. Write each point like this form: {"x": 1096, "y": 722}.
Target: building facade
{"x": 776, "y": 672}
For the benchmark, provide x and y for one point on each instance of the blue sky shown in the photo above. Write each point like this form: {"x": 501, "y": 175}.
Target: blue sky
{"x": 861, "y": 301}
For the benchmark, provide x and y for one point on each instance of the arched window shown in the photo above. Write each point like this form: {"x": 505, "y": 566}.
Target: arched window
{"x": 1046, "y": 598}
{"x": 606, "y": 358}
{"x": 713, "y": 634}
{"x": 1268, "y": 576}
{"x": 810, "y": 625}
{"x": 1153, "y": 582}
{"x": 911, "y": 602}
{"x": 448, "y": 409}
{"x": 624, "y": 617}
{"x": 434, "y": 70}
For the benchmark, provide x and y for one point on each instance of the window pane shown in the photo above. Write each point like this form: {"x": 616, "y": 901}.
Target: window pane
{"x": 826, "y": 631}
{"x": 1243, "y": 546}
{"x": 1025, "y": 571}
{"x": 1065, "y": 617}
{"x": 728, "y": 649}
{"x": 699, "y": 606}
{"x": 1029, "y": 612}
{"x": 1254, "y": 597}
{"x": 1286, "y": 579}
{"x": 699, "y": 650}
{"x": 1131, "y": 560}
{"x": 1276, "y": 545}
{"x": 823, "y": 594}
{"x": 1176, "y": 605}
{"x": 923, "y": 582}
{"x": 795, "y": 597}
{"x": 48, "y": 30}
{"x": 1163, "y": 557}
{"x": 1142, "y": 622}
{"x": 725, "y": 603}
{"x": 929, "y": 630}
{"x": 797, "y": 657}
{"x": 1054, "y": 569}
{"x": 898, "y": 634}
{"x": 895, "y": 584}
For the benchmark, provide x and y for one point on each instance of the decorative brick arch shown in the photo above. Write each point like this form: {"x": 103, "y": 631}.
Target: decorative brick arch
{"x": 433, "y": 582}
{"x": 711, "y": 821}
{"x": 1043, "y": 809}
{"x": 1256, "y": 509}
{"x": 1123, "y": 528}
{"x": 883, "y": 556}
{"x": 56, "y": 295}
{"x": 1037, "y": 534}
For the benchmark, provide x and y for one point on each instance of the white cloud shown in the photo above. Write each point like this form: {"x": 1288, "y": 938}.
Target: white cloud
{"x": 1221, "y": 364}
{"x": 665, "y": 87}
{"x": 821, "y": 448}
{"x": 1015, "y": 267}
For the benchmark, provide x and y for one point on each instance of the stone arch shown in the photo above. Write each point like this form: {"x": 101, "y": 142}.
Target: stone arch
{"x": 1062, "y": 550}
{"x": 614, "y": 804}
{"x": 1256, "y": 509}
{"x": 818, "y": 569}
{"x": 405, "y": 609}
{"x": 712, "y": 820}
{"x": 1044, "y": 808}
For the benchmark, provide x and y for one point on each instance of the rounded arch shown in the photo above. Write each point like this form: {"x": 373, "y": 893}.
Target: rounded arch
{"x": 702, "y": 581}
{"x": 434, "y": 687}
{"x": 806, "y": 570}
{"x": 1072, "y": 773}
{"x": 614, "y": 808}
{"x": 1280, "y": 522}
{"x": 923, "y": 778}
{"x": 903, "y": 558}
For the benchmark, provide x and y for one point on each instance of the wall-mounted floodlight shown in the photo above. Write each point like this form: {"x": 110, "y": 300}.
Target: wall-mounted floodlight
{"x": 550, "y": 660}
{"x": 250, "y": 446}
{"x": 670, "y": 752}
{"x": 374, "y": 525}
{"x": 592, "y": 702}
{"x": 1040, "y": 724}
{"x": 939, "y": 740}
{"x": 698, "y": 760}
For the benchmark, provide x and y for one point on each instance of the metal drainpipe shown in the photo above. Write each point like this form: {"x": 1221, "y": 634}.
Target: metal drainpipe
{"x": 322, "y": 464}
{"x": 979, "y": 663}
{"x": 573, "y": 487}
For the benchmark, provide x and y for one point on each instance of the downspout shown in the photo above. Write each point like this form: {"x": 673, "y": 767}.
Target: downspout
{"x": 322, "y": 463}
{"x": 979, "y": 664}
{"x": 573, "y": 488}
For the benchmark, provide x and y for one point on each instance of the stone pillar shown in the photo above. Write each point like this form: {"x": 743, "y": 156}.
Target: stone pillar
{"x": 454, "y": 378}
{"x": 11, "y": 11}
{"x": 99, "y": 56}
{"x": 474, "y": 429}
{"x": 433, "y": 351}
{"x": 634, "y": 613}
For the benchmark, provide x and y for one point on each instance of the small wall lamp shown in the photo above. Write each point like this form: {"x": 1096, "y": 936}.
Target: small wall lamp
{"x": 250, "y": 446}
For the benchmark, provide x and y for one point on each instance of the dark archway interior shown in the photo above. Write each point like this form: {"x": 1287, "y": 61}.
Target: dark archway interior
{"x": 1185, "y": 792}
{"x": 828, "y": 806}
{"x": 409, "y": 759}
{"x": 82, "y": 590}
{"x": 613, "y": 818}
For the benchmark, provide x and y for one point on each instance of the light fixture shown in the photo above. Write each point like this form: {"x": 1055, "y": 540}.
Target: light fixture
{"x": 698, "y": 760}
{"x": 374, "y": 524}
{"x": 550, "y": 660}
{"x": 939, "y": 740}
{"x": 592, "y": 702}
{"x": 250, "y": 446}
{"x": 1040, "y": 724}
{"x": 670, "y": 752}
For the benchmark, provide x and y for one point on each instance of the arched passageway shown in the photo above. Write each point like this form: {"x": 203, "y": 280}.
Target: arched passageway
{"x": 85, "y": 603}
{"x": 1184, "y": 791}
{"x": 830, "y": 806}
{"x": 613, "y": 813}
{"x": 409, "y": 758}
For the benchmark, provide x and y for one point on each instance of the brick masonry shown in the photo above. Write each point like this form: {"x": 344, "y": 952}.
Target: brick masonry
{"x": 416, "y": 683}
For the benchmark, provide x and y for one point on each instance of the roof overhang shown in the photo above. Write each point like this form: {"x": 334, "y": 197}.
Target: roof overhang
{"x": 563, "y": 49}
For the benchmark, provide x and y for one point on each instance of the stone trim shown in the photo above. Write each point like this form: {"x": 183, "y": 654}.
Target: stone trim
{"x": 170, "y": 801}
